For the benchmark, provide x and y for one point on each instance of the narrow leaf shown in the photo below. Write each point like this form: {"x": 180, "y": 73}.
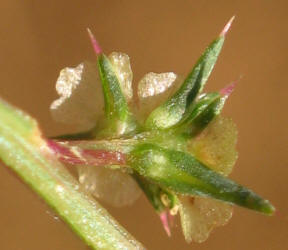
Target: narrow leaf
{"x": 119, "y": 119}
{"x": 172, "y": 111}
{"x": 182, "y": 173}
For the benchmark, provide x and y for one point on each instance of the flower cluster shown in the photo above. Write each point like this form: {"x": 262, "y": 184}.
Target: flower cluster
{"x": 170, "y": 140}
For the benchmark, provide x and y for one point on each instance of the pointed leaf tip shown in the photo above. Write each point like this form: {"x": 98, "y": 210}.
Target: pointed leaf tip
{"x": 268, "y": 208}
{"x": 94, "y": 42}
{"x": 173, "y": 110}
{"x": 227, "y": 27}
{"x": 226, "y": 91}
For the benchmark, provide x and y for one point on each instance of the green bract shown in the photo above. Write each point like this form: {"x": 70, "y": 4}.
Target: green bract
{"x": 184, "y": 174}
{"x": 171, "y": 112}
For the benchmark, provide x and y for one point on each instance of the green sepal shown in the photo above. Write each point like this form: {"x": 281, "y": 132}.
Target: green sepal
{"x": 115, "y": 103}
{"x": 206, "y": 116}
{"x": 172, "y": 111}
{"x": 202, "y": 113}
{"x": 152, "y": 192}
{"x": 184, "y": 174}
{"x": 119, "y": 119}
{"x": 198, "y": 107}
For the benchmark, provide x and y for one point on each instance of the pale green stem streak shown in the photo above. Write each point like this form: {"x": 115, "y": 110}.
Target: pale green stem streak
{"x": 23, "y": 150}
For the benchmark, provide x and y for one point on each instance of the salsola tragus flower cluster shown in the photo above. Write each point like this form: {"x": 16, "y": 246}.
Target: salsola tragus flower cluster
{"x": 172, "y": 143}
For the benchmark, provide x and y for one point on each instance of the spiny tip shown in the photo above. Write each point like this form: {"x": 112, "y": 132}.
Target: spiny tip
{"x": 227, "y": 27}
{"x": 226, "y": 91}
{"x": 165, "y": 222}
{"x": 94, "y": 42}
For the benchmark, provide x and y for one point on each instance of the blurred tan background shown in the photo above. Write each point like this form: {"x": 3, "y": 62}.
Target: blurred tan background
{"x": 38, "y": 38}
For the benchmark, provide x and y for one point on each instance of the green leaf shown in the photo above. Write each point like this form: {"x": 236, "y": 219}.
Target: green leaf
{"x": 172, "y": 111}
{"x": 182, "y": 173}
{"x": 23, "y": 150}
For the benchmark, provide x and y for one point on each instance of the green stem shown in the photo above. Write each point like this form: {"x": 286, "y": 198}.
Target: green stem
{"x": 23, "y": 150}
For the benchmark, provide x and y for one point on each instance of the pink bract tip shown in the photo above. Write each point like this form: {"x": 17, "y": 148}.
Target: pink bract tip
{"x": 226, "y": 91}
{"x": 165, "y": 222}
{"x": 94, "y": 42}
{"x": 227, "y": 27}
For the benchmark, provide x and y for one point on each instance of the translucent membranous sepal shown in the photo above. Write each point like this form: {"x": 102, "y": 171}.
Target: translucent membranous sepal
{"x": 102, "y": 169}
{"x": 182, "y": 173}
{"x": 216, "y": 145}
{"x": 172, "y": 111}
{"x": 81, "y": 98}
{"x": 114, "y": 186}
{"x": 200, "y": 215}
{"x": 153, "y": 89}
{"x": 122, "y": 68}
{"x": 153, "y": 84}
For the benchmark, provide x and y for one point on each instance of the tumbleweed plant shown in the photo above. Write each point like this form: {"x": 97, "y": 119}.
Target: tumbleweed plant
{"x": 169, "y": 140}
